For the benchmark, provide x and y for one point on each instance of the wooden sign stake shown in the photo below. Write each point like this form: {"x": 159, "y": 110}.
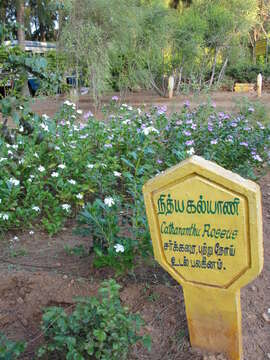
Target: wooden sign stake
{"x": 206, "y": 230}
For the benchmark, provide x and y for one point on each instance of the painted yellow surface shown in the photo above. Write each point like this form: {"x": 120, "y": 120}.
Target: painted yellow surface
{"x": 243, "y": 87}
{"x": 206, "y": 229}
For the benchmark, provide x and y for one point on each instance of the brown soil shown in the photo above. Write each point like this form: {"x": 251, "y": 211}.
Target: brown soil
{"x": 225, "y": 101}
{"x": 36, "y": 271}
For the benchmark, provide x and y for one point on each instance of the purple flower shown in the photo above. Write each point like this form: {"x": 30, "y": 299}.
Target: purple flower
{"x": 82, "y": 126}
{"x": 187, "y": 133}
{"x": 87, "y": 115}
{"x": 251, "y": 109}
{"x": 214, "y": 142}
{"x": 159, "y": 161}
{"x": 247, "y": 128}
{"x": 194, "y": 126}
{"x": 233, "y": 124}
{"x": 187, "y": 104}
{"x": 179, "y": 122}
{"x": 107, "y": 146}
{"x": 161, "y": 109}
{"x": 243, "y": 143}
{"x": 189, "y": 142}
{"x": 213, "y": 105}
{"x": 257, "y": 157}
{"x": 115, "y": 98}
{"x": 62, "y": 122}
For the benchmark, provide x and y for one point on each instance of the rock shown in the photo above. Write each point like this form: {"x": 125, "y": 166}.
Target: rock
{"x": 253, "y": 288}
{"x": 266, "y": 317}
{"x": 268, "y": 355}
{"x": 20, "y": 300}
{"x": 65, "y": 277}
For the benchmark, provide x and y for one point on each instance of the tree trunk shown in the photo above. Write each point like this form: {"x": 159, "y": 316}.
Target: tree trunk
{"x": 20, "y": 21}
{"x": 179, "y": 81}
{"x": 222, "y": 71}
{"x": 213, "y": 68}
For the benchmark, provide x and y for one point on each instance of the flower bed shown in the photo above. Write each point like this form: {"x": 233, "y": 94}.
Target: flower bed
{"x": 98, "y": 168}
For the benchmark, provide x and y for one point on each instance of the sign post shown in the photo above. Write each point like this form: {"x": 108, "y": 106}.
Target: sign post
{"x": 206, "y": 229}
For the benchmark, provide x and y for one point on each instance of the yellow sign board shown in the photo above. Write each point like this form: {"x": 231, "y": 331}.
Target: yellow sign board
{"x": 206, "y": 229}
{"x": 261, "y": 47}
{"x": 244, "y": 87}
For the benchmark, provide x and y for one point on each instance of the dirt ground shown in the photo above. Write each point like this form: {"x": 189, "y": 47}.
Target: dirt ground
{"x": 225, "y": 101}
{"x": 37, "y": 271}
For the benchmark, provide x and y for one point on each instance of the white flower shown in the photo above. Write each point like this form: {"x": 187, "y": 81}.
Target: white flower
{"x": 150, "y": 129}
{"x": 2, "y": 159}
{"x": 36, "y": 208}
{"x": 72, "y": 182}
{"x": 36, "y": 155}
{"x": 67, "y": 102}
{"x": 79, "y": 111}
{"x": 44, "y": 127}
{"x": 116, "y": 173}
{"x": 10, "y": 152}
{"x": 21, "y": 161}
{"x": 0, "y": 201}
{"x": 21, "y": 107}
{"x": 45, "y": 116}
{"x": 62, "y": 166}
{"x": 119, "y": 248}
{"x": 41, "y": 168}
{"x": 21, "y": 129}
{"x": 15, "y": 238}
{"x": 109, "y": 201}
{"x": 14, "y": 182}
{"x": 4, "y": 216}
{"x": 55, "y": 174}
{"x": 31, "y": 232}
{"x": 191, "y": 151}
{"x": 66, "y": 207}
{"x": 126, "y": 122}
{"x": 79, "y": 196}
{"x": 57, "y": 147}
{"x": 90, "y": 166}
{"x": 15, "y": 147}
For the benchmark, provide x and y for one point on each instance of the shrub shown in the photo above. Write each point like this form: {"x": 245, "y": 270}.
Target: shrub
{"x": 10, "y": 350}
{"x": 98, "y": 328}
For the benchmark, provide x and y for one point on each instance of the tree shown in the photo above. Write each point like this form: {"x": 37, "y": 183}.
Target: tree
{"x": 20, "y": 23}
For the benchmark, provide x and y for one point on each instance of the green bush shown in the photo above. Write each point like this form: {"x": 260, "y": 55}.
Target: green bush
{"x": 10, "y": 350}
{"x": 248, "y": 72}
{"x": 98, "y": 328}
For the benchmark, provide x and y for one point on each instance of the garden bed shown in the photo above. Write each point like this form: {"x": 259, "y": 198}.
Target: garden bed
{"x": 38, "y": 272}
{"x": 71, "y": 166}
